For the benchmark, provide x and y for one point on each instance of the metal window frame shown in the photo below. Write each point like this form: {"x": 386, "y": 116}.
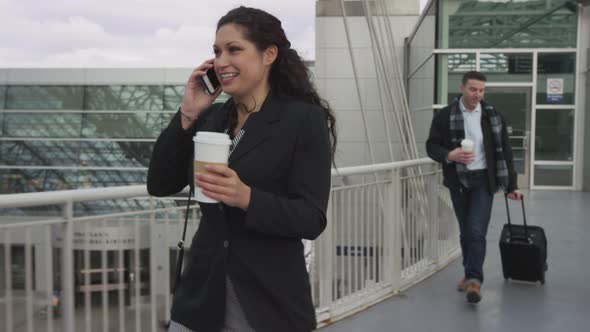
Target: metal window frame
{"x": 577, "y": 107}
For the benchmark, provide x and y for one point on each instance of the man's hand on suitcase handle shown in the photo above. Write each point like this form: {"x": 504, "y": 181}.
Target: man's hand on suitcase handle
{"x": 515, "y": 195}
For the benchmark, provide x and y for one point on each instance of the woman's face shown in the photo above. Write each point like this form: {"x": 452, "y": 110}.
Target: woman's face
{"x": 240, "y": 66}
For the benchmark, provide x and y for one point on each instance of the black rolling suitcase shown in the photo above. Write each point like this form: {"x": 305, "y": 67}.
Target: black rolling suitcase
{"x": 523, "y": 249}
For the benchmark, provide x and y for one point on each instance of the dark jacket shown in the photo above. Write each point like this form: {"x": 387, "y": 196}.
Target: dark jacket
{"x": 439, "y": 145}
{"x": 285, "y": 158}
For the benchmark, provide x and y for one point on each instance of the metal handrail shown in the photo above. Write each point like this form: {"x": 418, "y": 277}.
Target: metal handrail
{"x": 383, "y": 235}
{"x": 96, "y": 194}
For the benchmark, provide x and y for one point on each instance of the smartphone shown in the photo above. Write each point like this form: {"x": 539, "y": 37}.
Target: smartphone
{"x": 210, "y": 81}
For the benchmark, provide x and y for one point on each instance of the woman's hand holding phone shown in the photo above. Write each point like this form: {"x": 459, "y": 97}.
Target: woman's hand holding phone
{"x": 196, "y": 99}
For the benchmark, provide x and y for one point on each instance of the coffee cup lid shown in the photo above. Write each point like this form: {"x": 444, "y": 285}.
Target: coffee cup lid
{"x": 467, "y": 141}
{"x": 210, "y": 137}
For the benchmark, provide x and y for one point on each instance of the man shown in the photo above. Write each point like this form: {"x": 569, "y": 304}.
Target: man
{"x": 473, "y": 176}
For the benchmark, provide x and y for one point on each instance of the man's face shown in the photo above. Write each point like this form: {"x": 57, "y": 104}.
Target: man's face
{"x": 472, "y": 91}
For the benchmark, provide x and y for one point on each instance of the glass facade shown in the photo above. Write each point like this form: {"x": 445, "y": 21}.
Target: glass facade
{"x": 124, "y": 97}
{"x": 31, "y": 97}
{"x": 507, "y": 24}
{"x": 480, "y": 31}
{"x": 56, "y": 137}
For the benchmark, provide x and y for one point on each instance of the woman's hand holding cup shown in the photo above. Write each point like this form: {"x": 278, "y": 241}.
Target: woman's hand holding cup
{"x": 196, "y": 99}
{"x": 222, "y": 183}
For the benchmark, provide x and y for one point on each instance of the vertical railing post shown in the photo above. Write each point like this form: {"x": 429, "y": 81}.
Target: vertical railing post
{"x": 392, "y": 208}
{"x": 396, "y": 207}
{"x": 153, "y": 262}
{"x": 8, "y": 277}
{"x": 28, "y": 281}
{"x": 68, "y": 268}
{"x": 433, "y": 217}
{"x": 325, "y": 261}
{"x": 388, "y": 228}
{"x": 49, "y": 268}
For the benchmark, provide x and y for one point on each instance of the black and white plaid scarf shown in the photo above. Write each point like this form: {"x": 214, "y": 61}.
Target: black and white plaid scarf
{"x": 457, "y": 130}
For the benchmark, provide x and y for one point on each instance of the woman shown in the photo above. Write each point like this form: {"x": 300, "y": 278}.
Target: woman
{"x": 245, "y": 269}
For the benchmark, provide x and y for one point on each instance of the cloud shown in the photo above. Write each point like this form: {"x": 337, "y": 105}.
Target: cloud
{"x": 123, "y": 33}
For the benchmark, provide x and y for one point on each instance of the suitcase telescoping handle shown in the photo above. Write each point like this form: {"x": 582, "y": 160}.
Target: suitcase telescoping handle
{"x": 526, "y": 233}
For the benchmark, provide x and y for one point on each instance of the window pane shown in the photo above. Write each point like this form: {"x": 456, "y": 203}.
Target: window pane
{"x": 556, "y": 74}
{"x": 90, "y": 179}
{"x": 17, "y": 268}
{"x": 451, "y": 70}
{"x": 2, "y": 102}
{"x": 40, "y": 153}
{"x": 72, "y": 154}
{"x": 118, "y": 125}
{"x": 35, "y": 97}
{"x": 56, "y": 125}
{"x": 173, "y": 96}
{"x": 555, "y": 135}
{"x": 2, "y": 96}
{"x": 507, "y": 24}
{"x": 124, "y": 97}
{"x": 507, "y": 67}
{"x": 20, "y": 180}
{"x": 115, "y": 154}
{"x": 120, "y": 205}
{"x": 553, "y": 175}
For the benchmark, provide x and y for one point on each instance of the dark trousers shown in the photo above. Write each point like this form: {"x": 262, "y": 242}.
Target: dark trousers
{"x": 473, "y": 207}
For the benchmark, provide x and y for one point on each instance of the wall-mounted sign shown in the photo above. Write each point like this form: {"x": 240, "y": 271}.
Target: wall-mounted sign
{"x": 106, "y": 237}
{"x": 554, "y": 90}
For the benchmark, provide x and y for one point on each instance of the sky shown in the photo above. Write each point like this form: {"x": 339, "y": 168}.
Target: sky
{"x": 131, "y": 33}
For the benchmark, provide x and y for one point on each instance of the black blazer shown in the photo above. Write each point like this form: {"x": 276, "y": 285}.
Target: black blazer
{"x": 439, "y": 145}
{"x": 285, "y": 158}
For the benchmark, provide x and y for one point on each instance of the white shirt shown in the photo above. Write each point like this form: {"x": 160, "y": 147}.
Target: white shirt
{"x": 472, "y": 126}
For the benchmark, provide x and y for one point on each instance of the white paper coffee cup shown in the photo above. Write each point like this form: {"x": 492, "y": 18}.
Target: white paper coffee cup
{"x": 210, "y": 148}
{"x": 467, "y": 145}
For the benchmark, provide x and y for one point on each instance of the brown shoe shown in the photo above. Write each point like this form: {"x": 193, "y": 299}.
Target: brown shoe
{"x": 462, "y": 286}
{"x": 473, "y": 292}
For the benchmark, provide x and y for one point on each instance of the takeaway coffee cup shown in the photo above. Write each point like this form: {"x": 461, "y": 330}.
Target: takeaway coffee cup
{"x": 210, "y": 148}
{"x": 467, "y": 145}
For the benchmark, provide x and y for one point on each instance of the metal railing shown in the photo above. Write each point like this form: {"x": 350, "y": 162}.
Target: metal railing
{"x": 389, "y": 226}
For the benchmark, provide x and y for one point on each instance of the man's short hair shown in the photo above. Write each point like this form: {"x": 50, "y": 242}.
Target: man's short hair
{"x": 473, "y": 75}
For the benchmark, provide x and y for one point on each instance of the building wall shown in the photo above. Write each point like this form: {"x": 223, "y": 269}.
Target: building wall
{"x": 421, "y": 83}
{"x": 334, "y": 78}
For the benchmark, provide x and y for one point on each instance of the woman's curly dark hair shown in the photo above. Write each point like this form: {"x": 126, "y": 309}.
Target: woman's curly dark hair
{"x": 289, "y": 76}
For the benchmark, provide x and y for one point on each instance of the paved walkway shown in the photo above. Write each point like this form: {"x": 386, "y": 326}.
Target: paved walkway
{"x": 562, "y": 304}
